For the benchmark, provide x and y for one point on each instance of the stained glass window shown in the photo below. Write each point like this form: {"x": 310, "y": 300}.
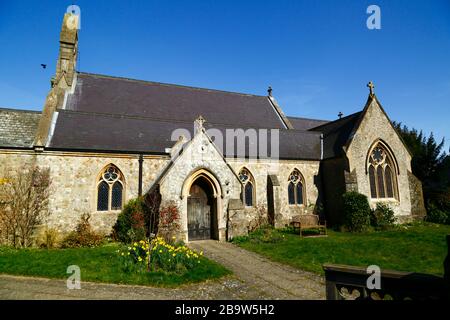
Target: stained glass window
{"x": 373, "y": 183}
{"x": 110, "y": 189}
{"x": 295, "y": 188}
{"x": 382, "y": 179}
{"x": 103, "y": 196}
{"x": 299, "y": 192}
{"x": 247, "y": 182}
{"x": 249, "y": 194}
{"x": 291, "y": 193}
{"x": 116, "y": 198}
{"x": 388, "y": 178}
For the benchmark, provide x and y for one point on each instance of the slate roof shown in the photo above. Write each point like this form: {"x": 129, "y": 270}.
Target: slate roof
{"x": 109, "y": 114}
{"x": 305, "y": 123}
{"x": 97, "y": 132}
{"x": 124, "y": 115}
{"x": 18, "y": 127}
{"x": 121, "y": 96}
{"x": 337, "y": 133}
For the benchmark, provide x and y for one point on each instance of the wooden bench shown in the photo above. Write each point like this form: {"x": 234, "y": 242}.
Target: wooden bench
{"x": 307, "y": 222}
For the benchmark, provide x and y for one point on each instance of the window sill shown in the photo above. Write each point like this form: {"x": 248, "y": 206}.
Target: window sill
{"x": 390, "y": 200}
{"x": 107, "y": 211}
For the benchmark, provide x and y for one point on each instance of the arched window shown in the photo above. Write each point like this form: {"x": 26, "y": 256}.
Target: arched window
{"x": 296, "y": 192}
{"x": 110, "y": 189}
{"x": 248, "y": 183}
{"x": 382, "y": 173}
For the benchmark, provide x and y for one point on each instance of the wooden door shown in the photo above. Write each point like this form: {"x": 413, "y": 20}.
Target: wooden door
{"x": 199, "y": 214}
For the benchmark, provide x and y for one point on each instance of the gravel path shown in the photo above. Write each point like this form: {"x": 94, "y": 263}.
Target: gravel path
{"x": 255, "y": 277}
{"x": 265, "y": 278}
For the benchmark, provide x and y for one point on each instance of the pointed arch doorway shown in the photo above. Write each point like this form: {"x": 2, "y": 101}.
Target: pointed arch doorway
{"x": 202, "y": 210}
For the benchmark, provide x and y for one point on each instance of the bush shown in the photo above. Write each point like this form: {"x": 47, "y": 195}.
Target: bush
{"x": 169, "y": 221}
{"x": 24, "y": 199}
{"x": 356, "y": 211}
{"x": 436, "y": 215}
{"x": 130, "y": 225}
{"x": 260, "y": 219}
{"x": 49, "y": 238}
{"x": 83, "y": 235}
{"x": 382, "y": 218}
{"x": 139, "y": 218}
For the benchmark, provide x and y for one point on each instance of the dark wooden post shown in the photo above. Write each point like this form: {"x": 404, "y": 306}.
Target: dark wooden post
{"x": 141, "y": 160}
{"x": 332, "y": 291}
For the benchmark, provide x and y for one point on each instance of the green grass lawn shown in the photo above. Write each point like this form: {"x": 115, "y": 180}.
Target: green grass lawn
{"x": 100, "y": 264}
{"x": 419, "y": 248}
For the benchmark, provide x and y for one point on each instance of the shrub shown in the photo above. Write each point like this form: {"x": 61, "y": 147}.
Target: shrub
{"x": 169, "y": 221}
{"x": 130, "y": 225}
{"x": 139, "y": 218}
{"x": 24, "y": 199}
{"x": 176, "y": 258}
{"x": 382, "y": 217}
{"x": 260, "y": 219}
{"x": 83, "y": 235}
{"x": 356, "y": 211}
{"x": 48, "y": 238}
{"x": 434, "y": 214}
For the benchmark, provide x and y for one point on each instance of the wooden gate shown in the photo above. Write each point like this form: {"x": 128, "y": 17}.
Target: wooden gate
{"x": 199, "y": 214}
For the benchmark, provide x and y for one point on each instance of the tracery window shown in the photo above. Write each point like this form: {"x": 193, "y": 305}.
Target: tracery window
{"x": 296, "y": 194}
{"x": 382, "y": 173}
{"x": 110, "y": 189}
{"x": 248, "y": 187}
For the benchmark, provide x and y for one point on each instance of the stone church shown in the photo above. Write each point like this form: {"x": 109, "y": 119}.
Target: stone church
{"x": 107, "y": 140}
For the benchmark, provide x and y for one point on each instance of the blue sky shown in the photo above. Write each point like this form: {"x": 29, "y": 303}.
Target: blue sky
{"x": 317, "y": 55}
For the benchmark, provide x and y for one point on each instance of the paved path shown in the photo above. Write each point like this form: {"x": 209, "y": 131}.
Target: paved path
{"x": 265, "y": 278}
{"x": 254, "y": 278}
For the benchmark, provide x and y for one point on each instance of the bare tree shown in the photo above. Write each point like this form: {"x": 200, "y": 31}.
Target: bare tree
{"x": 24, "y": 201}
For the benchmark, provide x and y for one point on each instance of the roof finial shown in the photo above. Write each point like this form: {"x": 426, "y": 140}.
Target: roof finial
{"x": 269, "y": 91}
{"x": 340, "y": 114}
{"x": 370, "y": 85}
{"x": 199, "y": 122}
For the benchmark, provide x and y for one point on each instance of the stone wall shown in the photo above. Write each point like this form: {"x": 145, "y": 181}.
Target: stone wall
{"x": 374, "y": 126}
{"x": 74, "y": 182}
{"x": 417, "y": 203}
{"x": 260, "y": 169}
{"x": 200, "y": 154}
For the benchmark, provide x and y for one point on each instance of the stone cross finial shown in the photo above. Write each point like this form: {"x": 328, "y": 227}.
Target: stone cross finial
{"x": 269, "y": 91}
{"x": 340, "y": 114}
{"x": 370, "y": 85}
{"x": 200, "y": 121}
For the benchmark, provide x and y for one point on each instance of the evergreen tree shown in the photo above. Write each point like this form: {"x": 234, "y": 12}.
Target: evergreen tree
{"x": 431, "y": 164}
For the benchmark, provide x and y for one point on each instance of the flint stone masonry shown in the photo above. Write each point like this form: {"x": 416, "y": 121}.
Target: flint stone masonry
{"x": 74, "y": 183}
{"x": 376, "y": 126}
{"x": 199, "y": 154}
